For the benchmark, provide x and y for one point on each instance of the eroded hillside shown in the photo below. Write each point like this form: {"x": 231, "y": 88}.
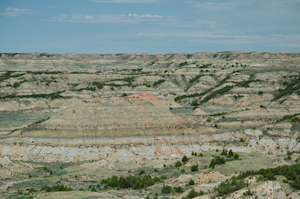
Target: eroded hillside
{"x": 106, "y": 112}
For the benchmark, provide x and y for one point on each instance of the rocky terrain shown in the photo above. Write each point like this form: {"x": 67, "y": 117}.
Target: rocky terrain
{"x": 76, "y": 119}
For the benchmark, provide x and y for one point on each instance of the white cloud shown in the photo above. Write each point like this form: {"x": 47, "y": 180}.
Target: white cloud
{"x": 127, "y": 1}
{"x": 122, "y": 19}
{"x": 17, "y": 12}
{"x": 207, "y": 35}
{"x": 288, "y": 36}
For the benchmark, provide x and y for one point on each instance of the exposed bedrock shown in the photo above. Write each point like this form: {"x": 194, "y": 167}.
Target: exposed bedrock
{"x": 161, "y": 148}
{"x": 136, "y": 127}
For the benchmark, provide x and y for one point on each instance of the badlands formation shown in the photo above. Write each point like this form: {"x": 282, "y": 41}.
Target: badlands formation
{"x": 88, "y": 117}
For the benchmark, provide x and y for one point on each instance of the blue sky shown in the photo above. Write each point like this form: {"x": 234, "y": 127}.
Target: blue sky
{"x": 149, "y": 26}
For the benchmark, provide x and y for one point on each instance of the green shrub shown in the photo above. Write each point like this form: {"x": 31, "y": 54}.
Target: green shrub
{"x": 183, "y": 64}
{"x": 184, "y": 159}
{"x": 135, "y": 182}
{"x": 156, "y": 179}
{"x": 230, "y": 153}
{"x": 93, "y": 188}
{"x": 166, "y": 189}
{"x": 137, "y": 185}
{"x": 285, "y": 181}
{"x": 224, "y": 152}
{"x": 178, "y": 164}
{"x": 297, "y": 119}
{"x": 216, "y": 161}
{"x": 59, "y": 187}
{"x": 270, "y": 176}
{"x": 31, "y": 190}
{"x": 192, "y": 193}
{"x": 194, "y": 168}
{"x": 159, "y": 82}
{"x": 248, "y": 193}
{"x": 16, "y": 84}
{"x": 291, "y": 174}
{"x": 295, "y": 184}
{"x": 178, "y": 189}
{"x": 182, "y": 171}
{"x": 164, "y": 177}
{"x": 191, "y": 182}
{"x": 142, "y": 172}
{"x": 236, "y": 156}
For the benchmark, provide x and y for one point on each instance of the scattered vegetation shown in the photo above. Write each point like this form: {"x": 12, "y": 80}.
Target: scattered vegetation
{"x": 204, "y": 92}
{"x": 46, "y": 55}
{"x": 244, "y": 84}
{"x": 205, "y": 65}
{"x": 178, "y": 189}
{"x": 192, "y": 194}
{"x": 159, "y": 82}
{"x": 135, "y": 182}
{"x": 235, "y": 183}
{"x": 230, "y": 186}
{"x": 293, "y": 118}
{"x": 195, "y": 79}
{"x": 59, "y": 187}
{"x": 219, "y": 114}
{"x": 98, "y": 84}
{"x": 216, "y": 161}
{"x": 50, "y": 96}
{"x": 289, "y": 89}
{"x": 221, "y": 91}
{"x": 9, "y": 75}
{"x": 183, "y": 64}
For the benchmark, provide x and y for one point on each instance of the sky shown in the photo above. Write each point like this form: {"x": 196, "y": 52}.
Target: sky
{"x": 149, "y": 26}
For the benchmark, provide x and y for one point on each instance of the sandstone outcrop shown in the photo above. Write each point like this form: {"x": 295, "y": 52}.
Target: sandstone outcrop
{"x": 199, "y": 112}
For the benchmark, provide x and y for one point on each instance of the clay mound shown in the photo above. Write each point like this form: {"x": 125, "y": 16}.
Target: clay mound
{"x": 35, "y": 109}
{"x": 172, "y": 104}
{"x": 143, "y": 97}
{"x": 199, "y": 112}
{"x": 139, "y": 114}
